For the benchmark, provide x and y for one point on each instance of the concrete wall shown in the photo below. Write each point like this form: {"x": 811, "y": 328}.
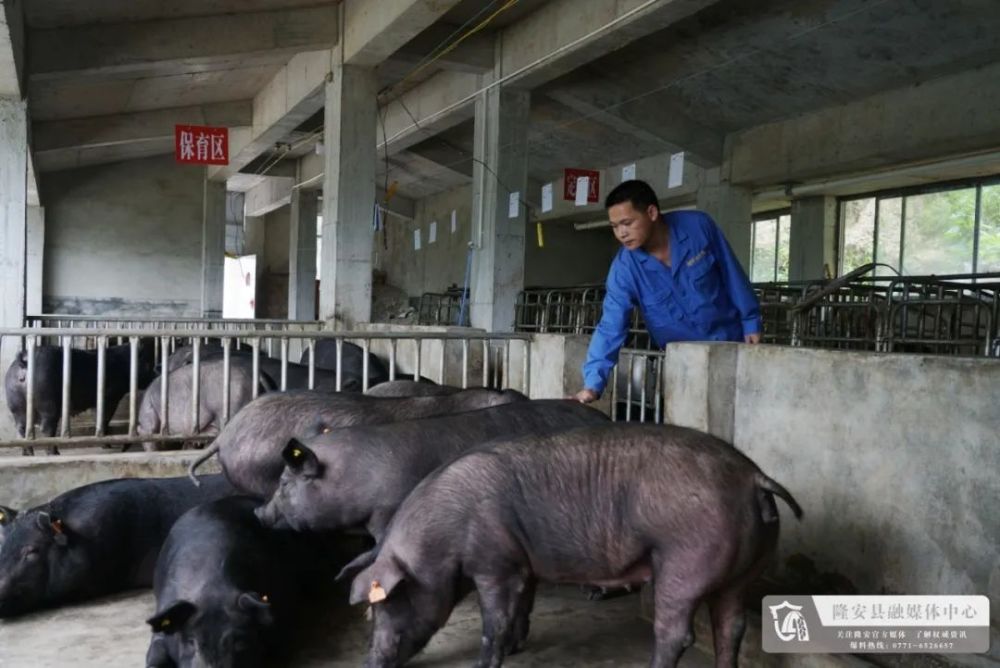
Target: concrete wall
{"x": 568, "y": 257}
{"x": 124, "y": 239}
{"x": 436, "y": 265}
{"x": 29, "y": 481}
{"x": 894, "y": 458}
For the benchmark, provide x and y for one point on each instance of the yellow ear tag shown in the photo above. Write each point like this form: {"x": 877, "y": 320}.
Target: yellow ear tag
{"x": 165, "y": 623}
{"x": 264, "y": 598}
{"x": 296, "y": 453}
{"x": 326, "y": 430}
{"x": 376, "y": 594}
{"x": 2, "y": 517}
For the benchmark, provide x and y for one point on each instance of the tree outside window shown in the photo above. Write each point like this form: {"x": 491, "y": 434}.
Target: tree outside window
{"x": 922, "y": 232}
{"x": 771, "y": 235}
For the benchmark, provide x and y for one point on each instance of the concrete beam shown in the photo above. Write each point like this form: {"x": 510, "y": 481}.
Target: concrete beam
{"x": 655, "y": 124}
{"x": 78, "y": 142}
{"x": 374, "y": 31}
{"x": 102, "y": 130}
{"x": 270, "y": 194}
{"x": 474, "y": 54}
{"x": 557, "y": 38}
{"x": 172, "y": 43}
{"x": 440, "y": 103}
{"x": 292, "y": 96}
{"x": 943, "y": 117}
{"x": 11, "y": 49}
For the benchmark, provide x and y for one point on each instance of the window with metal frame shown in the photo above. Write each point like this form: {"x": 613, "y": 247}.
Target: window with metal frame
{"x": 944, "y": 228}
{"x": 770, "y": 241}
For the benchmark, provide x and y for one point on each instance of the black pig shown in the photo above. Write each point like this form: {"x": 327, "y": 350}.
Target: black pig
{"x": 93, "y": 540}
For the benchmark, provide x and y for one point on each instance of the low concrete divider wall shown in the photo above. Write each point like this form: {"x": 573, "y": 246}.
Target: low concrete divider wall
{"x": 894, "y": 458}
{"x": 28, "y": 481}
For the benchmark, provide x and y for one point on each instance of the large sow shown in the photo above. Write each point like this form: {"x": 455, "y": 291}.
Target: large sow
{"x": 608, "y": 506}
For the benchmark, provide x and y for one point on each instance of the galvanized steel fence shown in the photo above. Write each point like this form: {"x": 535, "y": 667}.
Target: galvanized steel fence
{"x": 464, "y": 359}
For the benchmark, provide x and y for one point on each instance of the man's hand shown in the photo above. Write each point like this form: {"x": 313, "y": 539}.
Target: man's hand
{"x": 752, "y": 338}
{"x": 586, "y": 396}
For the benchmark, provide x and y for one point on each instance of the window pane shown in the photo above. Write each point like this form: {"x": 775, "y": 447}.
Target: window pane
{"x": 890, "y": 223}
{"x": 858, "y": 222}
{"x": 939, "y": 232}
{"x": 989, "y": 230}
{"x": 784, "y": 244}
{"x": 763, "y": 250}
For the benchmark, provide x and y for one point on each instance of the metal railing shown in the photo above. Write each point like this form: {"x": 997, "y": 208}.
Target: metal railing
{"x": 465, "y": 359}
{"x": 951, "y": 314}
{"x": 637, "y": 386}
{"x": 442, "y": 309}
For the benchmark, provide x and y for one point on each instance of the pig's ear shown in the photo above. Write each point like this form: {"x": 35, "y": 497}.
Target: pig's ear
{"x": 7, "y": 515}
{"x": 173, "y": 618}
{"x": 53, "y": 526}
{"x": 375, "y": 583}
{"x": 300, "y": 459}
{"x": 257, "y": 605}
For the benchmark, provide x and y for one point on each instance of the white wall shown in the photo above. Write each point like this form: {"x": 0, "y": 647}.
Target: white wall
{"x": 124, "y": 239}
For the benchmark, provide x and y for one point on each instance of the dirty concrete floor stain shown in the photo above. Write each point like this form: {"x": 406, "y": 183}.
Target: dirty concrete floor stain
{"x": 567, "y": 631}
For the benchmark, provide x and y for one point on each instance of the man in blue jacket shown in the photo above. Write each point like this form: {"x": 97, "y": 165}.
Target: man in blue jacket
{"x": 679, "y": 269}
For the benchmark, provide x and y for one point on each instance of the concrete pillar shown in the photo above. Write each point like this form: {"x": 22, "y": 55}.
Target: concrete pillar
{"x": 213, "y": 248}
{"x": 500, "y": 169}
{"x": 348, "y": 195}
{"x": 730, "y": 207}
{"x": 302, "y": 255}
{"x": 812, "y": 250}
{"x": 35, "y": 258}
{"x": 13, "y": 233}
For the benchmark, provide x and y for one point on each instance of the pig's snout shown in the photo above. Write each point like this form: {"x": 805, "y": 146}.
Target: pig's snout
{"x": 269, "y": 516}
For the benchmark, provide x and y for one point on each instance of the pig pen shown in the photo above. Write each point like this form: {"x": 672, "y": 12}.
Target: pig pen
{"x": 567, "y": 628}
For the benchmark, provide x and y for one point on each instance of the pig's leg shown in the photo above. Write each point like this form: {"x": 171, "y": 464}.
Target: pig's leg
{"x": 728, "y": 604}
{"x": 522, "y": 618}
{"x": 728, "y": 624}
{"x": 677, "y": 590}
{"x": 498, "y": 603}
{"x": 49, "y": 425}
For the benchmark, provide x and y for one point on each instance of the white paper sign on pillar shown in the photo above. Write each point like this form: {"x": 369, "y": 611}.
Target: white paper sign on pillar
{"x": 416, "y": 239}
{"x": 514, "y": 205}
{"x": 676, "y": 176}
{"x": 432, "y": 234}
{"x": 454, "y": 221}
{"x": 582, "y": 190}
{"x": 546, "y": 198}
{"x": 628, "y": 172}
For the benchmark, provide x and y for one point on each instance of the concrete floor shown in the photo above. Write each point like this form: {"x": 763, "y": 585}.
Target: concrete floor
{"x": 567, "y": 630}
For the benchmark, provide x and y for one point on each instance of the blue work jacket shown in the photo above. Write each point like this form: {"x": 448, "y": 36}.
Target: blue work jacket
{"x": 704, "y": 295}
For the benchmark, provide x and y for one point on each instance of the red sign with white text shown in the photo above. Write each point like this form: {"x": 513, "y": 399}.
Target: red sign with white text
{"x": 569, "y": 184}
{"x": 201, "y": 145}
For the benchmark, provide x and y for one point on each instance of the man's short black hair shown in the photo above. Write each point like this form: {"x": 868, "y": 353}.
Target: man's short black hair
{"x": 638, "y": 193}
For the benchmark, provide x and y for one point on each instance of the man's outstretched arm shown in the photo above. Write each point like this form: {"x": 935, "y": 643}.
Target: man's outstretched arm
{"x": 608, "y": 337}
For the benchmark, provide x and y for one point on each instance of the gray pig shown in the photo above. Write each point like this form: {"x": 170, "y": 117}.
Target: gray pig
{"x": 359, "y": 476}
{"x": 250, "y": 446}
{"x": 612, "y": 505}
{"x": 410, "y": 388}
{"x": 210, "y": 403}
